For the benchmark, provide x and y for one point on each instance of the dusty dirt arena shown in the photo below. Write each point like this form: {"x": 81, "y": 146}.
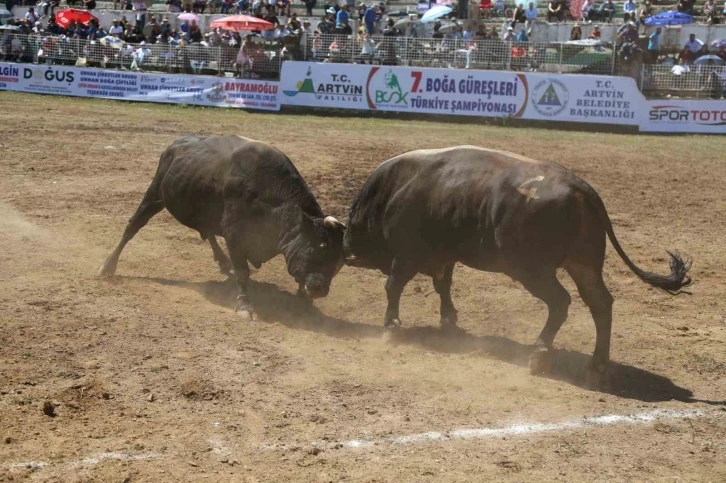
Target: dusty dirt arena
{"x": 154, "y": 378}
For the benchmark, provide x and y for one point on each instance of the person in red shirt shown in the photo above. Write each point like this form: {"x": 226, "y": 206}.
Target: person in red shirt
{"x": 595, "y": 34}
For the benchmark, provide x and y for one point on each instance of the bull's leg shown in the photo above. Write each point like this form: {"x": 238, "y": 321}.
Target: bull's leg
{"x": 549, "y": 290}
{"x": 149, "y": 207}
{"x": 443, "y": 288}
{"x": 307, "y": 302}
{"x": 225, "y": 265}
{"x": 401, "y": 274}
{"x": 242, "y": 274}
{"x": 600, "y": 302}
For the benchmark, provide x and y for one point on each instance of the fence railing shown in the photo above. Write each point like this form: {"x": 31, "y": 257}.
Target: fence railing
{"x": 695, "y": 81}
{"x": 493, "y": 54}
{"x": 258, "y": 60}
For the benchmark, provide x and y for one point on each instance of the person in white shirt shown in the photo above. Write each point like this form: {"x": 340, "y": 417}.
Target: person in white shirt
{"x": 116, "y": 30}
{"x": 630, "y": 10}
{"x": 31, "y": 16}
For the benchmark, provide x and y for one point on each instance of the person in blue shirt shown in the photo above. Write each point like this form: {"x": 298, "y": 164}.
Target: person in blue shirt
{"x": 341, "y": 21}
{"x": 654, "y": 45}
{"x": 607, "y": 10}
{"x": 629, "y": 11}
{"x": 522, "y": 36}
{"x": 369, "y": 17}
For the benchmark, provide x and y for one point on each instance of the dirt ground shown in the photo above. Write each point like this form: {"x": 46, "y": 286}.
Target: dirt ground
{"x": 152, "y": 377}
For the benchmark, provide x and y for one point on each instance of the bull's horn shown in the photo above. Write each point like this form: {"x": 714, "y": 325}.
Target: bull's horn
{"x": 331, "y": 222}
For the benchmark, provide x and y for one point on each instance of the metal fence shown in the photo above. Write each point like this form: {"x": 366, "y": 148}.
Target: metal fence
{"x": 695, "y": 81}
{"x": 463, "y": 54}
{"x": 259, "y": 60}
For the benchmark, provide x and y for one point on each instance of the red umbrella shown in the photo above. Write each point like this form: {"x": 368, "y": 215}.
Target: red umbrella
{"x": 242, "y": 22}
{"x": 73, "y": 15}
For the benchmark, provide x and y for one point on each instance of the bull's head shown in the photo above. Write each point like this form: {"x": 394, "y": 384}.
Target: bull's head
{"x": 315, "y": 254}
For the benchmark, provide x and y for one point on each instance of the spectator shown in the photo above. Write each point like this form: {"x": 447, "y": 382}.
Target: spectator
{"x": 283, "y": 7}
{"x": 646, "y": 10}
{"x": 90, "y": 4}
{"x": 140, "y": 9}
{"x": 226, "y": 6}
{"x": 693, "y": 49}
{"x": 680, "y": 68}
{"x": 596, "y": 34}
{"x": 509, "y": 35}
{"x": 92, "y": 30}
{"x": 309, "y": 6}
{"x": 588, "y": 12}
{"x": 685, "y": 6}
{"x": 271, "y": 17}
{"x": 555, "y": 10}
{"x": 607, "y": 11}
{"x": 341, "y": 21}
{"x": 31, "y": 16}
{"x": 654, "y": 46}
{"x": 709, "y": 10}
{"x": 317, "y": 48}
{"x": 628, "y": 36}
{"x": 576, "y": 32}
{"x": 293, "y": 24}
{"x": 629, "y": 11}
{"x": 368, "y": 48}
{"x": 369, "y": 18}
{"x": 519, "y": 15}
{"x": 116, "y": 29}
{"x": 531, "y": 15}
{"x": 523, "y": 35}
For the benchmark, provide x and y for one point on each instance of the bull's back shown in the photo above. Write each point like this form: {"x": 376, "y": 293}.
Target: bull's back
{"x": 448, "y": 202}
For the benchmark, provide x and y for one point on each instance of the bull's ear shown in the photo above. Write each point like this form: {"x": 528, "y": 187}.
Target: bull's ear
{"x": 307, "y": 224}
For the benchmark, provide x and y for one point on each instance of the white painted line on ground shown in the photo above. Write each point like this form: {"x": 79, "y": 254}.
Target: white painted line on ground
{"x": 513, "y": 430}
{"x": 89, "y": 460}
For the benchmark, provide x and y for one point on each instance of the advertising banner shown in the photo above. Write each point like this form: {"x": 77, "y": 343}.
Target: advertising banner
{"x": 404, "y": 89}
{"x": 142, "y": 87}
{"x": 706, "y": 116}
{"x": 583, "y": 98}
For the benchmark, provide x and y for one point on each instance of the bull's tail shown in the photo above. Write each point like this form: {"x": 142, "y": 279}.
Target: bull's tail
{"x": 680, "y": 265}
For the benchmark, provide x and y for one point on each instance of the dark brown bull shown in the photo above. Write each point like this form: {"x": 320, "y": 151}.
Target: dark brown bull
{"x": 423, "y": 211}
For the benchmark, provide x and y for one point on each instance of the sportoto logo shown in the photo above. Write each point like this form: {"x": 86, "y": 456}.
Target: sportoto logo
{"x": 550, "y": 97}
{"x": 172, "y": 81}
{"x": 681, "y": 115}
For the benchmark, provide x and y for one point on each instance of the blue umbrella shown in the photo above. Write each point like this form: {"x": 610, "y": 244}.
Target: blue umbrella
{"x": 705, "y": 58}
{"x": 719, "y": 44}
{"x": 436, "y": 12}
{"x": 669, "y": 18}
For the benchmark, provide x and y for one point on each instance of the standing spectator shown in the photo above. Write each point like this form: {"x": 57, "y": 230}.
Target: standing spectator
{"x": 140, "y": 9}
{"x": 607, "y": 11}
{"x": 531, "y": 15}
{"x": 555, "y": 10}
{"x": 654, "y": 45}
{"x": 576, "y": 32}
{"x": 369, "y": 18}
{"x": 519, "y": 15}
{"x": 693, "y": 49}
{"x": 92, "y": 29}
{"x": 629, "y": 11}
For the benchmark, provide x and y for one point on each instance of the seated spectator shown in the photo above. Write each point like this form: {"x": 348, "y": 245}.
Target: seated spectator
{"x": 341, "y": 22}
{"x": 116, "y": 29}
{"x": 589, "y": 13}
{"x": 90, "y": 4}
{"x": 576, "y": 32}
{"x": 607, "y": 11}
{"x": 709, "y": 10}
{"x": 31, "y": 16}
{"x": 317, "y": 47}
{"x": 509, "y": 35}
{"x": 685, "y": 6}
{"x": 519, "y": 15}
{"x": 693, "y": 49}
{"x": 555, "y": 10}
{"x": 646, "y": 10}
{"x": 531, "y": 15}
{"x": 293, "y": 23}
{"x": 680, "y": 68}
{"x": 629, "y": 11}
{"x": 195, "y": 34}
{"x": 596, "y": 34}
{"x": 485, "y": 6}
{"x": 628, "y": 37}
{"x": 523, "y": 35}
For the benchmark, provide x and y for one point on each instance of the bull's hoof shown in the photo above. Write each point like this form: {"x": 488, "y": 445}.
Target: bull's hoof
{"x": 596, "y": 378}
{"x": 391, "y": 331}
{"x": 449, "y": 321}
{"x": 540, "y": 361}
{"x": 107, "y": 270}
{"x": 244, "y": 313}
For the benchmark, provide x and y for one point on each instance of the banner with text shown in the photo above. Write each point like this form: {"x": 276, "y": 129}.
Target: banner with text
{"x": 404, "y": 89}
{"x": 680, "y": 115}
{"x": 143, "y": 87}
